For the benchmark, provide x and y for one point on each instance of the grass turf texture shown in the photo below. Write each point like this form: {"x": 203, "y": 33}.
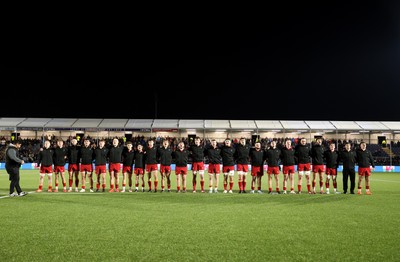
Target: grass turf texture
{"x": 202, "y": 226}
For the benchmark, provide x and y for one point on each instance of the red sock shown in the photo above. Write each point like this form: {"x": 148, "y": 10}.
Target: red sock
{"x": 225, "y": 185}
{"x": 40, "y": 187}
{"x": 123, "y": 184}
{"x": 327, "y": 184}
{"x": 334, "y": 184}
{"x": 178, "y": 188}
{"x": 240, "y": 185}
{"x": 299, "y": 187}
{"x": 56, "y": 184}
{"x": 83, "y": 187}
{"x": 103, "y": 186}
{"x": 64, "y": 184}
{"x": 70, "y": 183}
{"x": 313, "y": 184}
{"x": 284, "y": 188}
{"x": 149, "y": 182}
{"x": 366, "y": 187}
{"x": 155, "y": 185}
{"x": 270, "y": 189}
{"x": 321, "y": 184}
{"x": 259, "y": 188}
{"x": 252, "y": 188}
{"x": 277, "y": 189}
{"x": 230, "y": 185}
{"x": 202, "y": 185}
{"x": 97, "y": 186}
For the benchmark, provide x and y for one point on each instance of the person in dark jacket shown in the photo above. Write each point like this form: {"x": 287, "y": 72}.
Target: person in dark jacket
{"x": 331, "y": 157}
{"x": 257, "y": 158}
{"x": 139, "y": 166}
{"x": 214, "y": 166}
{"x": 114, "y": 165}
{"x": 164, "y": 153}
{"x": 86, "y": 169}
{"x": 365, "y": 162}
{"x": 348, "y": 158}
{"x": 318, "y": 167}
{"x": 181, "y": 156}
{"x": 73, "y": 164}
{"x": 100, "y": 154}
{"x": 128, "y": 155}
{"x": 197, "y": 154}
{"x": 45, "y": 165}
{"x": 60, "y": 156}
{"x": 151, "y": 164}
{"x": 288, "y": 162}
{"x": 272, "y": 157}
{"x": 13, "y": 163}
{"x": 228, "y": 164}
{"x": 303, "y": 156}
{"x": 242, "y": 158}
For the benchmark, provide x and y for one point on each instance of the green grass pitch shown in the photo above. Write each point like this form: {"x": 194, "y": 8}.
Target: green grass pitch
{"x": 202, "y": 226}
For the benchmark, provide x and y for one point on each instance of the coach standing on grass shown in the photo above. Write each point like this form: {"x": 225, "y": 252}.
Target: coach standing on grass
{"x": 13, "y": 163}
{"x": 348, "y": 157}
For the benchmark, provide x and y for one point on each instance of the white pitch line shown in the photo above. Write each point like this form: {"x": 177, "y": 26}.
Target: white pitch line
{"x": 382, "y": 180}
{"x": 16, "y": 196}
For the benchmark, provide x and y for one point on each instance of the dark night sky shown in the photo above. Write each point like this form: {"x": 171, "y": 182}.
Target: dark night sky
{"x": 317, "y": 63}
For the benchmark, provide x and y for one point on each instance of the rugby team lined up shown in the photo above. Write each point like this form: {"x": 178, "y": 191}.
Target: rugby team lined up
{"x": 89, "y": 162}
